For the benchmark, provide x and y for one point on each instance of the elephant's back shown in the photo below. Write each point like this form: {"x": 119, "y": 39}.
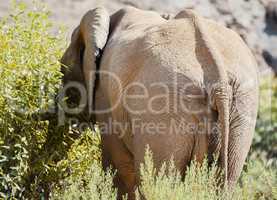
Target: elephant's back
{"x": 162, "y": 50}
{"x": 176, "y": 46}
{"x": 171, "y": 47}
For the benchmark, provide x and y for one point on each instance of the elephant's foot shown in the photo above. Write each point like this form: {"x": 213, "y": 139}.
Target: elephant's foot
{"x": 123, "y": 190}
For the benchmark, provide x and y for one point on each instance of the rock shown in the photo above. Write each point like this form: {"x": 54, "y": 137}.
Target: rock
{"x": 271, "y": 11}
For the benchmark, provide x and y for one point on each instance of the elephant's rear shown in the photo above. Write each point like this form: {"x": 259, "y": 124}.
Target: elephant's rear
{"x": 169, "y": 60}
{"x": 174, "y": 53}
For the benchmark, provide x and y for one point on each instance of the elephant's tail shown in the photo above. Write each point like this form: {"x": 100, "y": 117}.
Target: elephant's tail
{"x": 217, "y": 84}
{"x": 220, "y": 97}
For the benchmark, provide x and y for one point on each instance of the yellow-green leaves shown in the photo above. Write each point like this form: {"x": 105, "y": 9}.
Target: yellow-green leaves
{"x": 29, "y": 79}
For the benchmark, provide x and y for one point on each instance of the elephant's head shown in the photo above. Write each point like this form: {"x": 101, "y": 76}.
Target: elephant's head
{"x": 79, "y": 62}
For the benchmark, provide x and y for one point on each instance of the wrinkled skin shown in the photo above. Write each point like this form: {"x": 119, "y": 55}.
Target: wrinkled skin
{"x": 145, "y": 48}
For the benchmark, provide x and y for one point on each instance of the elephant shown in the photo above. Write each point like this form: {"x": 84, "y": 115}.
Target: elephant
{"x": 185, "y": 86}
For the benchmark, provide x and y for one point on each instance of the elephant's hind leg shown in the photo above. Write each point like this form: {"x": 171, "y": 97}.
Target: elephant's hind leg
{"x": 242, "y": 128}
{"x": 116, "y": 154}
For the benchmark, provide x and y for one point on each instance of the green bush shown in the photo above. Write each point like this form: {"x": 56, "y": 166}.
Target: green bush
{"x": 86, "y": 179}
{"x": 257, "y": 182}
{"x": 38, "y": 157}
{"x": 166, "y": 183}
{"x": 30, "y": 77}
{"x": 95, "y": 184}
{"x": 264, "y": 143}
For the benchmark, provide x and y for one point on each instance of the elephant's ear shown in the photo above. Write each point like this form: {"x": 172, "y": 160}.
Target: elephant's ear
{"x": 93, "y": 35}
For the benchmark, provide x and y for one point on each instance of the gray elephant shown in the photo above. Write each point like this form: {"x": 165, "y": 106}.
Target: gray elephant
{"x": 184, "y": 85}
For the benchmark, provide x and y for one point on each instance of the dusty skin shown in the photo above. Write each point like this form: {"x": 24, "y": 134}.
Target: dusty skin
{"x": 137, "y": 67}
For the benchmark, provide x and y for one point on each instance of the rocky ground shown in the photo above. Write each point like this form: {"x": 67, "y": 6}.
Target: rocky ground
{"x": 254, "y": 20}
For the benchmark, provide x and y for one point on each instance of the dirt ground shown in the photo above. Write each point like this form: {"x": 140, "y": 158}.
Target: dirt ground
{"x": 248, "y": 18}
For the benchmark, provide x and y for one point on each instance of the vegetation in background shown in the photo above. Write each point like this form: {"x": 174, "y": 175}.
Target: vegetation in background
{"x": 264, "y": 144}
{"x": 30, "y": 77}
{"x": 40, "y": 160}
